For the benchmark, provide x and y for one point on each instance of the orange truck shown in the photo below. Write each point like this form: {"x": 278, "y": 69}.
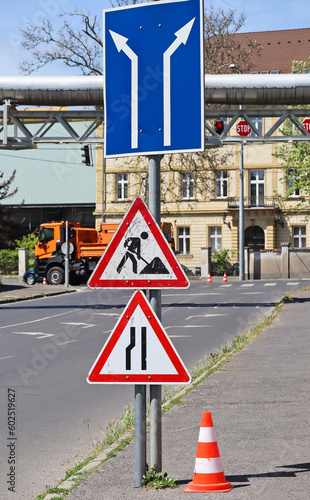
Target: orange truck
{"x": 86, "y": 245}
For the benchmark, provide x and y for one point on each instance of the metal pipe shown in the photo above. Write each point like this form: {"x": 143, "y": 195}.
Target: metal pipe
{"x": 221, "y": 89}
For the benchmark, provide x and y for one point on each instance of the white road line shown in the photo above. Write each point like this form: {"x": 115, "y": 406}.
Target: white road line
{"x": 224, "y": 286}
{"x": 269, "y": 284}
{"x": 205, "y": 315}
{"x": 190, "y": 294}
{"x": 37, "y": 320}
{"x": 187, "y": 326}
{"x": 82, "y": 325}
{"x": 251, "y": 293}
{"x": 7, "y": 357}
{"x": 108, "y": 314}
{"x": 179, "y": 336}
{"x": 248, "y": 284}
{"x": 68, "y": 342}
{"x": 292, "y": 284}
{"x": 35, "y": 334}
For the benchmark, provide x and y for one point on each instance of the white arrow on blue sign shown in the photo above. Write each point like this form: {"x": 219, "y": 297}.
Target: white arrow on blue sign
{"x": 154, "y": 78}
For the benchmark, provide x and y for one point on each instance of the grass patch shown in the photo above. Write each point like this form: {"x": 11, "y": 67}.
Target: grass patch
{"x": 157, "y": 480}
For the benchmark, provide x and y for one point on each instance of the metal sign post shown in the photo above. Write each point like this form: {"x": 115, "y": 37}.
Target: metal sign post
{"x": 155, "y": 301}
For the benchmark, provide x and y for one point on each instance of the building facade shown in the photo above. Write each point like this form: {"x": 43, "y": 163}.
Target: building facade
{"x": 201, "y": 198}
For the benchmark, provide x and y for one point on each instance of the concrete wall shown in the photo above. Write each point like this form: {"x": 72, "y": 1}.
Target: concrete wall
{"x": 285, "y": 263}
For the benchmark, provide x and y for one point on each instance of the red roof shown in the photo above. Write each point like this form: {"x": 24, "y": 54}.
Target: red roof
{"x": 278, "y": 49}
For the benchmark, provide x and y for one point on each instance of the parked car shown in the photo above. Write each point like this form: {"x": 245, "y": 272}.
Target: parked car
{"x": 30, "y": 278}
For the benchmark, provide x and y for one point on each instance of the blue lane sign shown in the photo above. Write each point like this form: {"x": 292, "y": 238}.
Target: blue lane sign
{"x": 154, "y": 78}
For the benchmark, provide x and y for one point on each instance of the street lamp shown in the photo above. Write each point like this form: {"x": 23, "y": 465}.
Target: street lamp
{"x": 241, "y": 199}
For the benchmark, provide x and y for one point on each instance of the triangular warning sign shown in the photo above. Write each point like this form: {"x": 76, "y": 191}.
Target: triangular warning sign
{"x": 138, "y": 350}
{"x": 138, "y": 256}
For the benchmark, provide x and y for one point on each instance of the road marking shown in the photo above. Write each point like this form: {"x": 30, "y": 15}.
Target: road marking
{"x": 108, "y": 314}
{"x": 292, "y": 284}
{"x": 248, "y": 284}
{"x": 223, "y": 286}
{"x": 251, "y": 293}
{"x": 191, "y": 294}
{"x": 187, "y": 326}
{"x": 35, "y": 334}
{"x": 269, "y": 284}
{"x": 37, "y": 320}
{"x": 179, "y": 336}
{"x": 82, "y": 325}
{"x": 67, "y": 342}
{"x": 7, "y": 357}
{"x": 210, "y": 315}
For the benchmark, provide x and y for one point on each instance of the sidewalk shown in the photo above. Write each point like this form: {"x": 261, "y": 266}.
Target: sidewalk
{"x": 259, "y": 402}
{"x": 13, "y": 291}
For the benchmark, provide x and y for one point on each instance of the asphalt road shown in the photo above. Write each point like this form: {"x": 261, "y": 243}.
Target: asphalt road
{"x": 49, "y": 345}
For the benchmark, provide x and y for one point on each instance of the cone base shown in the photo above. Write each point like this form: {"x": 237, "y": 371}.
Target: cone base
{"x": 211, "y": 488}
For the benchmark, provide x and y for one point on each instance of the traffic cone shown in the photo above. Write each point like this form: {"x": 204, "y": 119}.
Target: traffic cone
{"x": 225, "y": 278}
{"x": 208, "y": 473}
{"x": 209, "y": 278}
{"x": 44, "y": 281}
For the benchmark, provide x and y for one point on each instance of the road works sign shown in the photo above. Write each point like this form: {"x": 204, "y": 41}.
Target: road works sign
{"x": 138, "y": 256}
{"x": 138, "y": 350}
{"x": 154, "y": 78}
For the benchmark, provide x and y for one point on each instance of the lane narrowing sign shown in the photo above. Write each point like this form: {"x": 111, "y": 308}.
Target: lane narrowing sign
{"x": 138, "y": 350}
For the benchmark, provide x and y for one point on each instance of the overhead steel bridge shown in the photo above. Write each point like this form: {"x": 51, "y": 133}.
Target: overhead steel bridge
{"x": 284, "y": 97}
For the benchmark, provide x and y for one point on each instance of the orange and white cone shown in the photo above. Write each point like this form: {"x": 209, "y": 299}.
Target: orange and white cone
{"x": 44, "y": 281}
{"x": 209, "y": 278}
{"x": 208, "y": 473}
{"x": 225, "y": 278}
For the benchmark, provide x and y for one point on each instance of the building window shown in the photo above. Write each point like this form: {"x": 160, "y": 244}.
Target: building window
{"x": 215, "y": 238}
{"x": 183, "y": 240}
{"x": 257, "y": 188}
{"x": 187, "y": 185}
{"x": 221, "y": 184}
{"x": 258, "y": 123}
{"x": 291, "y": 175}
{"x": 299, "y": 236}
{"x": 122, "y": 186}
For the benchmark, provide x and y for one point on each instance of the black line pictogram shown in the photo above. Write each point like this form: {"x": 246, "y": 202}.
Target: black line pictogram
{"x": 132, "y": 344}
{"x": 130, "y": 347}
{"x": 133, "y": 252}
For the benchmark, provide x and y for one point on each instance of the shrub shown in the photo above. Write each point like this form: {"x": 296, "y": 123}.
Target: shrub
{"x": 221, "y": 257}
{"x": 8, "y": 261}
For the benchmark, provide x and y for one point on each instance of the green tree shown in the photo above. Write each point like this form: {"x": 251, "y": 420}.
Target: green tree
{"x": 9, "y": 228}
{"x": 295, "y": 157}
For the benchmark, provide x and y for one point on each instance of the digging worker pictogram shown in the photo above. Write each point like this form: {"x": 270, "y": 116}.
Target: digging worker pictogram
{"x": 133, "y": 252}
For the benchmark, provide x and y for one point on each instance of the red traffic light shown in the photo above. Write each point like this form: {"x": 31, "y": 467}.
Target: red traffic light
{"x": 219, "y": 126}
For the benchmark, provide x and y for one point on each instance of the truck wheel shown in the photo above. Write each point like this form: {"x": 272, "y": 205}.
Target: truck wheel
{"x": 55, "y": 276}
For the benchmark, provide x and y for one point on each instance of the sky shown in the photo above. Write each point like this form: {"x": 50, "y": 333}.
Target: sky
{"x": 262, "y": 15}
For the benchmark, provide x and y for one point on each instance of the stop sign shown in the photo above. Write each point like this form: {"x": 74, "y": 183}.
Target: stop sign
{"x": 243, "y": 128}
{"x": 306, "y": 124}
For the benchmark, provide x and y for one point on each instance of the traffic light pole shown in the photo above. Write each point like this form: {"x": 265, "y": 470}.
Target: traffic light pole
{"x": 241, "y": 211}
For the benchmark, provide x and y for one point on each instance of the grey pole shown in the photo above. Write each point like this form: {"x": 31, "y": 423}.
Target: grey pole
{"x": 241, "y": 213}
{"x": 140, "y": 434}
{"x": 67, "y": 257}
{"x": 241, "y": 198}
{"x": 155, "y": 301}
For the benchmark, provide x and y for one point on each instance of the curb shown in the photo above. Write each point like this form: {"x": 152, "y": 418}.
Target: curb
{"x": 41, "y": 295}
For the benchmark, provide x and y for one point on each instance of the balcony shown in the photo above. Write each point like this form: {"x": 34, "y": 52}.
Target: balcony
{"x": 253, "y": 202}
